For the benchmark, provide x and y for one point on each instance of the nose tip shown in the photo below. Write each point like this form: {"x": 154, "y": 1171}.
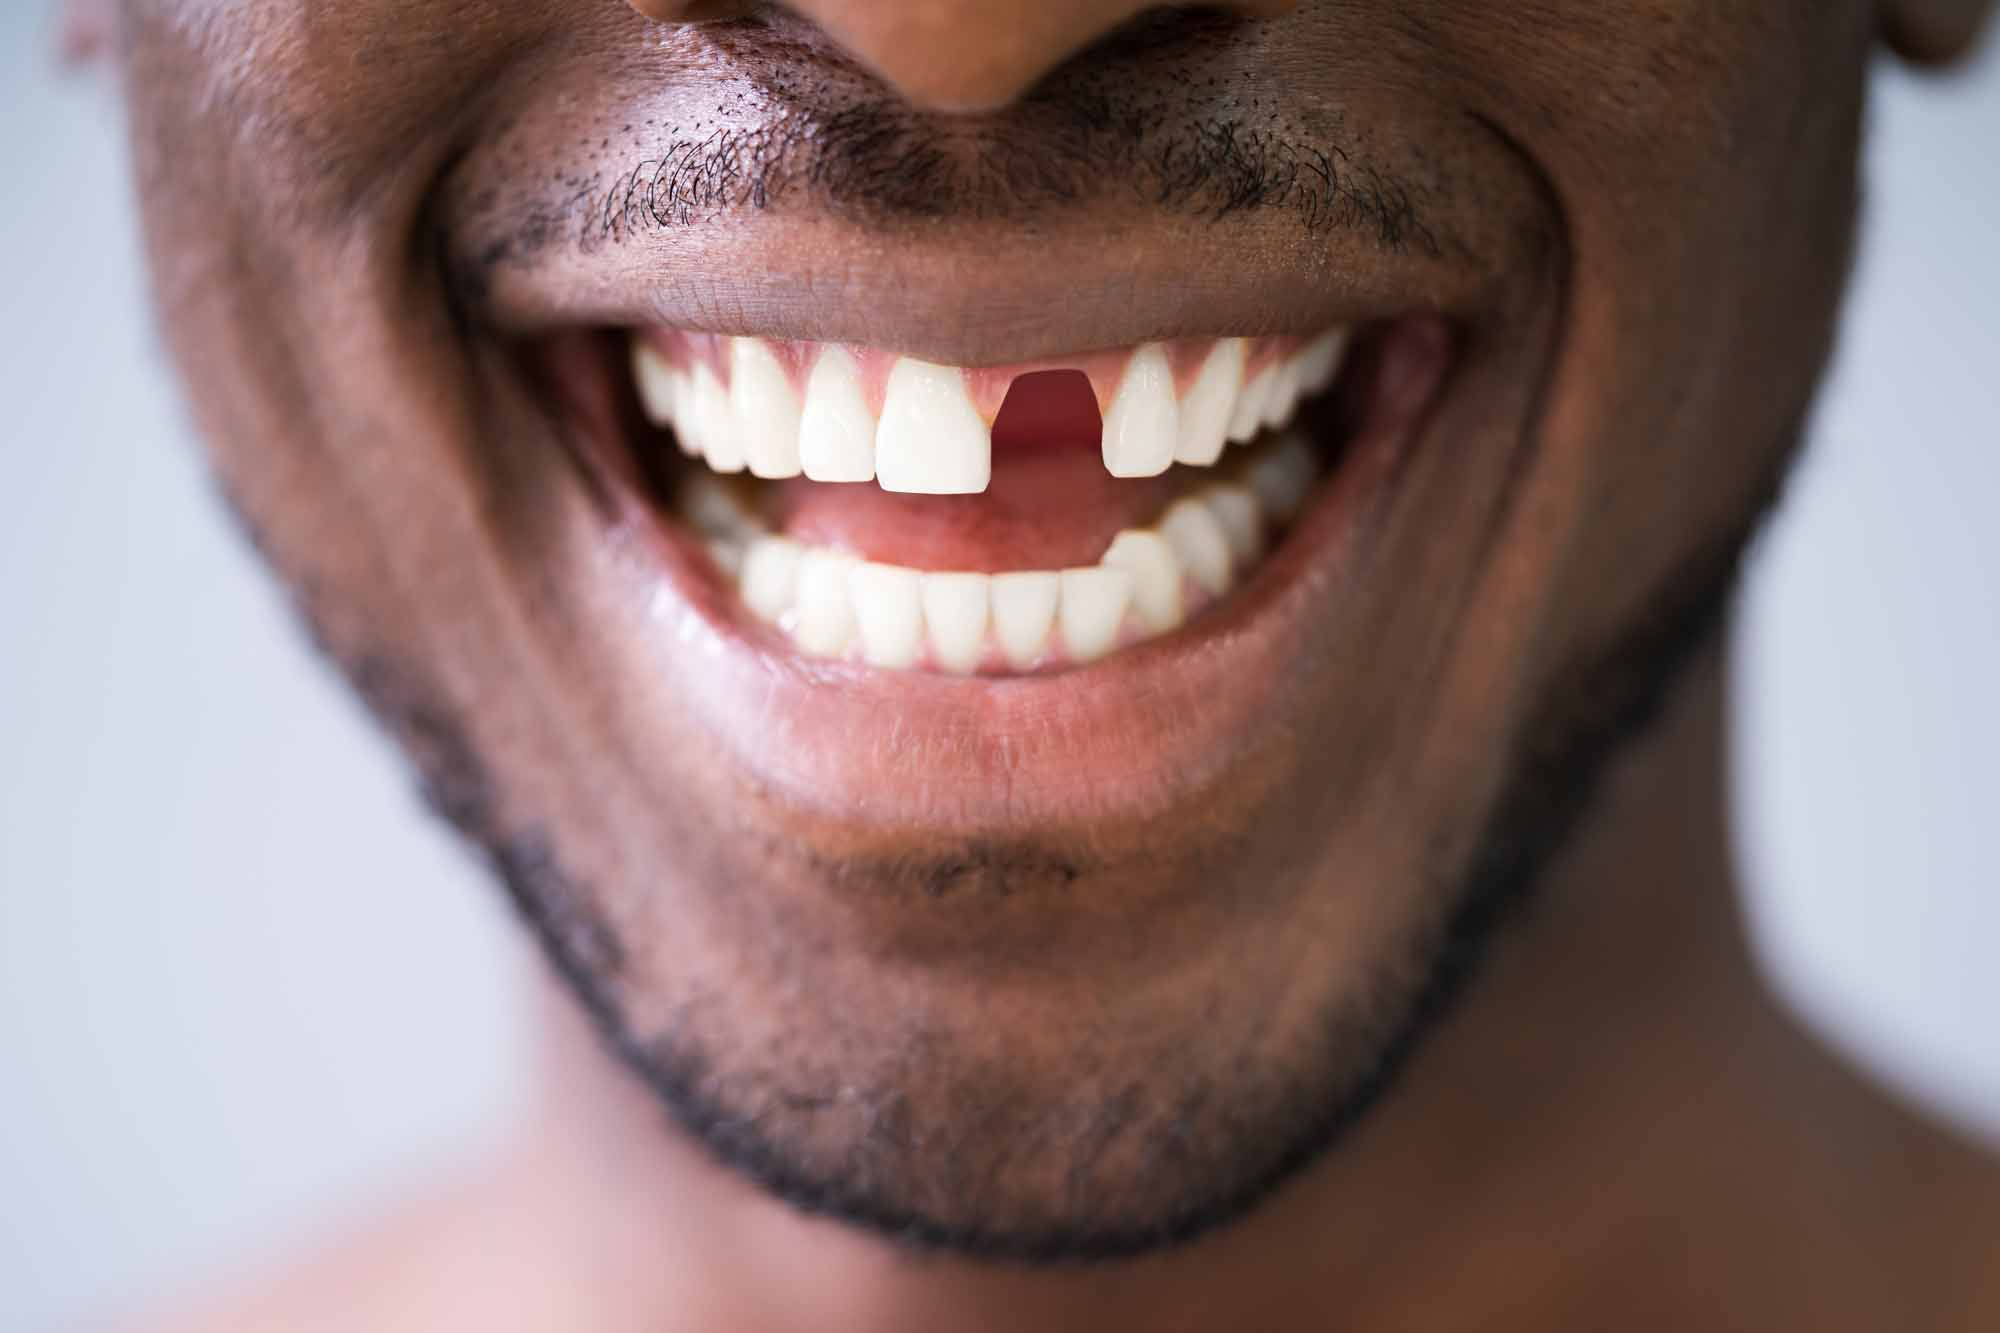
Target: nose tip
{"x": 966, "y": 55}
{"x": 955, "y": 55}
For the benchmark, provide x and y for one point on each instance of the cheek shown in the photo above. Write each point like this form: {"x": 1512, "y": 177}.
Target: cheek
{"x": 1705, "y": 173}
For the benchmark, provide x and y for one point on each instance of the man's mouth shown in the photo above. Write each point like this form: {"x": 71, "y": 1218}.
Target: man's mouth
{"x": 862, "y": 506}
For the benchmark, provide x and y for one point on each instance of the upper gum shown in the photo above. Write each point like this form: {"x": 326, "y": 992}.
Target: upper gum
{"x": 987, "y": 385}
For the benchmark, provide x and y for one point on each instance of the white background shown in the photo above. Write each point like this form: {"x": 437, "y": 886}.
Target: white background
{"x": 244, "y": 984}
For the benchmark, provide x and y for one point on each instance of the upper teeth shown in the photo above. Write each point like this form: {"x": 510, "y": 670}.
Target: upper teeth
{"x": 929, "y": 436}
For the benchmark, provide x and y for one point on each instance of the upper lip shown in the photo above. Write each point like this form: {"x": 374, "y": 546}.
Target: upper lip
{"x": 1109, "y": 269}
{"x": 930, "y": 300}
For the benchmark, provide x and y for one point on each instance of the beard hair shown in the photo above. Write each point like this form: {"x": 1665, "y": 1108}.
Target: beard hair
{"x": 1595, "y": 710}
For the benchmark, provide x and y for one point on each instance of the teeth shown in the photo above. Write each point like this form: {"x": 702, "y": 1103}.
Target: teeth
{"x": 763, "y": 409}
{"x": 1236, "y": 509}
{"x": 1156, "y": 577}
{"x": 955, "y": 613}
{"x": 1206, "y": 408}
{"x": 1320, "y": 362}
{"x": 825, "y": 609}
{"x": 1198, "y": 541}
{"x": 1024, "y": 606}
{"x": 835, "y": 606}
{"x": 1093, "y": 607}
{"x": 1248, "y": 416}
{"x": 888, "y": 610}
{"x": 1282, "y": 475}
{"x": 714, "y": 509}
{"x": 1142, "y": 427}
{"x": 655, "y": 381}
{"x": 836, "y": 430}
{"x": 770, "y": 577}
{"x": 1283, "y": 397}
{"x": 708, "y": 421}
{"x": 931, "y": 440}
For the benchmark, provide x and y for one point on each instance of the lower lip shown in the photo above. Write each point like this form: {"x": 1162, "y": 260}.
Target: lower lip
{"x": 1129, "y": 737}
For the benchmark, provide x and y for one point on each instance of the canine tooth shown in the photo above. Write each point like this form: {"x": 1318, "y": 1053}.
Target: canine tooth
{"x": 1093, "y": 603}
{"x": 888, "y": 610}
{"x": 955, "y": 613}
{"x": 655, "y": 381}
{"x": 930, "y": 440}
{"x": 763, "y": 409}
{"x": 1248, "y": 416}
{"x": 1024, "y": 606}
{"x": 1199, "y": 543}
{"x": 1282, "y": 476}
{"x": 1320, "y": 362}
{"x": 1156, "y": 576}
{"x": 707, "y": 419}
{"x": 1235, "y": 508}
{"x": 836, "y": 430}
{"x": 1142, "y": 426}
{"x": 1208, "y": 403}
{"x": 1283, "y": 398}
{"x": 825, "y": 610}
{"x": 714, "y": 509}
{"x": 770, "y": 580}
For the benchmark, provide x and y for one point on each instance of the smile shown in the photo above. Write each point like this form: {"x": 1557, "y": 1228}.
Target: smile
{"x": 861, "y": 507}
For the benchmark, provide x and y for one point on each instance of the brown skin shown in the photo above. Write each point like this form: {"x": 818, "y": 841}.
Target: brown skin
{"x": 1638, "y": 218}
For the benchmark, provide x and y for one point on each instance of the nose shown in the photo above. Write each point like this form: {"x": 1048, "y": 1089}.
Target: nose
{"x": 956, "y": 55}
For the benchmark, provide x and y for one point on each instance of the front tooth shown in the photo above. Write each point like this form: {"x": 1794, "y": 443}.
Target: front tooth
{"x": 1156, "y": 576}
{"x": 1248, "y": 416}
{"x": 1320, "y": 362}
{"x": 1198, "y": 541}
{"x": 1206, "y": 408}
{"x": 955, "y": 613}
{"x": 1142, "y": 427}
{"x": 930, "y": 440}
{"x": 1242, "y": 523}
{"x": 708, "y": 420}
{"x": 770, "y": 580}
{"x": 836, "y": 430}
{"x": 1093, "y": 607}
{"x": 1024, "y": 606}
{"x": 1284, "y": 395}
{"x": 763, "y": 409}
{"x": 825, "y": 610}
{"x": 655, "y": 381}
{"x": 1282, "y": 476}
{"x": 888, "y": 610}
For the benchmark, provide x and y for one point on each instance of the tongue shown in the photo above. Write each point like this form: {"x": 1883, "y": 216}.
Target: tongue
{"x": 1050, "y": 505}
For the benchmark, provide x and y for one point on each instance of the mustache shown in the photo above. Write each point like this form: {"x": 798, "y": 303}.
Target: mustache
{"x": 879, "y": 162}
{"x": 1142, "y": 121}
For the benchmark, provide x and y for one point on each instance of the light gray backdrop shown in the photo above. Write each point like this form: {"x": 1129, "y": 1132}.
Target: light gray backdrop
{"x": 244, "y": 985}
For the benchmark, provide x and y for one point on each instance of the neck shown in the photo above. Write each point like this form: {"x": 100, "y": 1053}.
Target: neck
{"x": 1614, "y": 1037}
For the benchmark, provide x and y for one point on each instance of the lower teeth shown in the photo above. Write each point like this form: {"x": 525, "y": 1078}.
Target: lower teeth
{"x": 1148, "y": 582}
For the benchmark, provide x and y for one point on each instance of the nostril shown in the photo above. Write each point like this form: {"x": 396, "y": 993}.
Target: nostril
{"x": 1048, "y": 409}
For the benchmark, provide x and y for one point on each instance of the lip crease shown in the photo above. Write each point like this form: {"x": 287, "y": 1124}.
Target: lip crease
{"x": 1123, "y": 738}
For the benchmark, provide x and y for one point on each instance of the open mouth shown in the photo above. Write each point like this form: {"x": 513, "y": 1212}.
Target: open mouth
{"x": 861, "y": 506}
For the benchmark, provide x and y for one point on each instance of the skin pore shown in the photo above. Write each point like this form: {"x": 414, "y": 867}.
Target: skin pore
{"x": 1148, "y": 996}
